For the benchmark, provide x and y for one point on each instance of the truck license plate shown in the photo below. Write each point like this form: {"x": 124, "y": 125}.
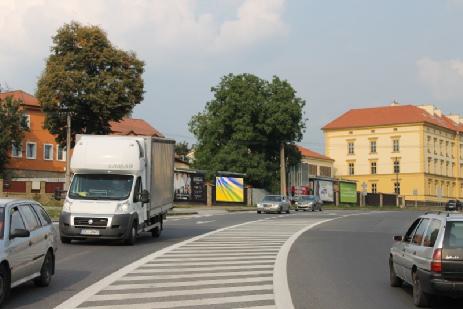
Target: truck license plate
{"x": 89, "y": 232}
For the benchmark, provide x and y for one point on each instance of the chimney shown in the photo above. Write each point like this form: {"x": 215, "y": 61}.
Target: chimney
{"x": 395, "y": 103}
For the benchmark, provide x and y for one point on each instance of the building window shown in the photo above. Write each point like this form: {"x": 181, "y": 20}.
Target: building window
{"x": 429, "y": 165}
{"x": 350, "y": 148}
{"x": 429, "y": 144}
{"x": 447, "y": 168}
{"x": 396, "y": 167}
{"x": 16, "y": 152}
{"x": 325, "y": 171}
{"x": 27, "y": 120}
{"x": 48, "y": 152}
{"x": 312, "y": 169}
{"x": 435, "y": 146}
{"x": 373, "y": 167}
{"x": 441, "y": 143}
{"x": 60, "y": 153}
{"x": 31, "y": 150}
{"x": 351, "y": 169}
{"x": 395, "y": 145}
{"x": 447, "y": 149}
{"x": 397, "y": 187}
{"x": 373, "y": 146}
{"x": 374, "y": 188}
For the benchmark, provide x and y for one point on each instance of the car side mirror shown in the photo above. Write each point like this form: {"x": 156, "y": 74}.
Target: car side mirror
{"x": 19, "y": 233}
{"x": 145, "y": 196}
{"x": 398, "y": 238}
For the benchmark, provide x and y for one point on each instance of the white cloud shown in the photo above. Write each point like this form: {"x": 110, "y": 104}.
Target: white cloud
{"x": 444, "y": 78}
{"x": 155, "y": 28}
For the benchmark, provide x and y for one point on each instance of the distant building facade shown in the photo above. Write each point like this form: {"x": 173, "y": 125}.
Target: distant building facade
{"x": 413, "y": 151}
{"x": 312, "y": 165}
{"x": 40, "y": 156}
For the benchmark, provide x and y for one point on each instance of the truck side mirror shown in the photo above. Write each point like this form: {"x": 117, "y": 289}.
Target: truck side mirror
{"x": 145, "y": 196}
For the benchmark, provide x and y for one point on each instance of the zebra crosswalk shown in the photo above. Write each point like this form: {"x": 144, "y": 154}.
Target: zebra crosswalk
{"x": 224, "y": 269}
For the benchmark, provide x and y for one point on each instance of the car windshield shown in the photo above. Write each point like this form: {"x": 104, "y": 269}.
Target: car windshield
{"x": 272, "y": 198}
{"x": 454, "y": 235}
{"x": 2, "y": 221}
{"x": 101, "y": 187}
{"x": 306, "y": 198}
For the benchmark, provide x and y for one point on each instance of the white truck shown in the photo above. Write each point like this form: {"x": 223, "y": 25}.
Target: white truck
{"x": 122, "y": 185}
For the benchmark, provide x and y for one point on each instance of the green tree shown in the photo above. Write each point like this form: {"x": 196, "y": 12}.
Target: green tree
{"x": 91, "y": 79}
{"x": 242, "y": 127}
{"x": 12, "y": 127}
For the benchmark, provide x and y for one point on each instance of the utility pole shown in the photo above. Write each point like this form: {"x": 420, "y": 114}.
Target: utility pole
{"x": 282, "y": 170}
{"x": 67, "y": 180}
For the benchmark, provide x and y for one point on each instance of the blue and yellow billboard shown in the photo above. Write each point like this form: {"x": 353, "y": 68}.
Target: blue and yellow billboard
{"x": 229, "y": 189}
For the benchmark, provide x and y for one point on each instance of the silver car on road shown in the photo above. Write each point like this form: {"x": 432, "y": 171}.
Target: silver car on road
{"x": 273, "y": 203}
{"x": 27, "y": 245}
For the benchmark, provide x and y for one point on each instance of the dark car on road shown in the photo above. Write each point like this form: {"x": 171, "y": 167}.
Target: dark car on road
{"x": 430, "y": 257}
{"x": 27, "y": 245}
{"x": 453, "y": 205}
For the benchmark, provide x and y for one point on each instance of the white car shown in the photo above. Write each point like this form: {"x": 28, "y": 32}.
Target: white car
{"x": 27, "y": 245}
{"x": 273, "y": 203}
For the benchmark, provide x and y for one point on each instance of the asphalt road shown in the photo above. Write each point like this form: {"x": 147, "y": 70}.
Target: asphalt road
{"x": 80, "y": 264}
{"x": 344, "y": 264}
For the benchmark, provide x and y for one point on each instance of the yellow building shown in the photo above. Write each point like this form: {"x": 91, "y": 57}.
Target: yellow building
{"x": 415, "y": 151}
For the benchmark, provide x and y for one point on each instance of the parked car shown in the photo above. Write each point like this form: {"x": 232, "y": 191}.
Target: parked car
{"x": 453, "y": 205}
{"x": 27, "y": 245}
{"x": 273, "y": 203}
{"x": 430, "y": 257}
{"x": 308, "y": 202}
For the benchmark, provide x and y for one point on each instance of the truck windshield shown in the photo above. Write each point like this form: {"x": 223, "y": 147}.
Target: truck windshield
{"x": 101, "y": 187}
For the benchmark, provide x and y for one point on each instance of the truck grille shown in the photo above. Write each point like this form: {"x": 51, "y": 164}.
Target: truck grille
{"x": 90, "y": 222}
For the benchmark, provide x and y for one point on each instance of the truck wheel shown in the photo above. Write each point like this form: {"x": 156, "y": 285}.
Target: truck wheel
{"x": 65, "y": 240}
{"x": 4, "y": 284}
{"x": 132, "y": 236}
{"x": 156, "y": 232}
{"x": 46, "y": 271}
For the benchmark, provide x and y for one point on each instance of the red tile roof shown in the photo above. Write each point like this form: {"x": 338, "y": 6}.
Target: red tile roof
{"x": 25, "y": 97}
{"x": 390, "y": 115}
{"x": 131, "y": 126}
{"x": 305, "y": 152}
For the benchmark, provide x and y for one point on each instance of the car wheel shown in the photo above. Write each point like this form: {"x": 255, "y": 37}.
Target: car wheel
{"x": 132, "y": 236}
{"x": 394, "y": 281}
{"x": 420, "y": 298}
{"x": 4, "y": 284}
{"x": 287, "y": 210}
{"x": 259, "y": 212}
{"x": 280, "y": 211}
{"x": 296, "y": 209}
{"x": 313, "y": 208}
{"x": 65, "y": 240}
{"x": 46, "y": 271}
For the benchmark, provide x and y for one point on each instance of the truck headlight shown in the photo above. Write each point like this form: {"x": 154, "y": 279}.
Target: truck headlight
{"x": 67, "y": 206}
{"x": 122, "y": 208}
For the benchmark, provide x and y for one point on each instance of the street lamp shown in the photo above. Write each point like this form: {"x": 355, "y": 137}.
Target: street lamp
{"x": 67, "y": 179}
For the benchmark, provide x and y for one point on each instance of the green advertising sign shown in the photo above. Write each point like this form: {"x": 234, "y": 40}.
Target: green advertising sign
{"x": 347, "y": 192}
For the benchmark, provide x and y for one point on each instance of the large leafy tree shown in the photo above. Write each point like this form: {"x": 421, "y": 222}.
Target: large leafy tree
{"x": 86, "y": 76}
{"x": 12, "y": 127}
{"x": 242, "y": 127}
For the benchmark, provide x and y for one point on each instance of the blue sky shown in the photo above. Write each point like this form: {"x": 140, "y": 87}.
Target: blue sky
{"x": 337, "y": 54}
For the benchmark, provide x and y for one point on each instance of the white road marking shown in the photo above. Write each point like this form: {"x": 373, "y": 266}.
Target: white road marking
{"x": 195, "y": 302}
{"x": 200, "y": 275}
{"x": 180, "y": 292}
{"x": 242, "y": 263}
{"x": 204, "y": 222}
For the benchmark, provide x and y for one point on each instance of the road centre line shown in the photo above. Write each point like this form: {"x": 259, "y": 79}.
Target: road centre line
{"x": 107, "y": 297}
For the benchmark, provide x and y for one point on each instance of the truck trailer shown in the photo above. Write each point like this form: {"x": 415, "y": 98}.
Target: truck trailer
{"x": 121, "y": 186}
